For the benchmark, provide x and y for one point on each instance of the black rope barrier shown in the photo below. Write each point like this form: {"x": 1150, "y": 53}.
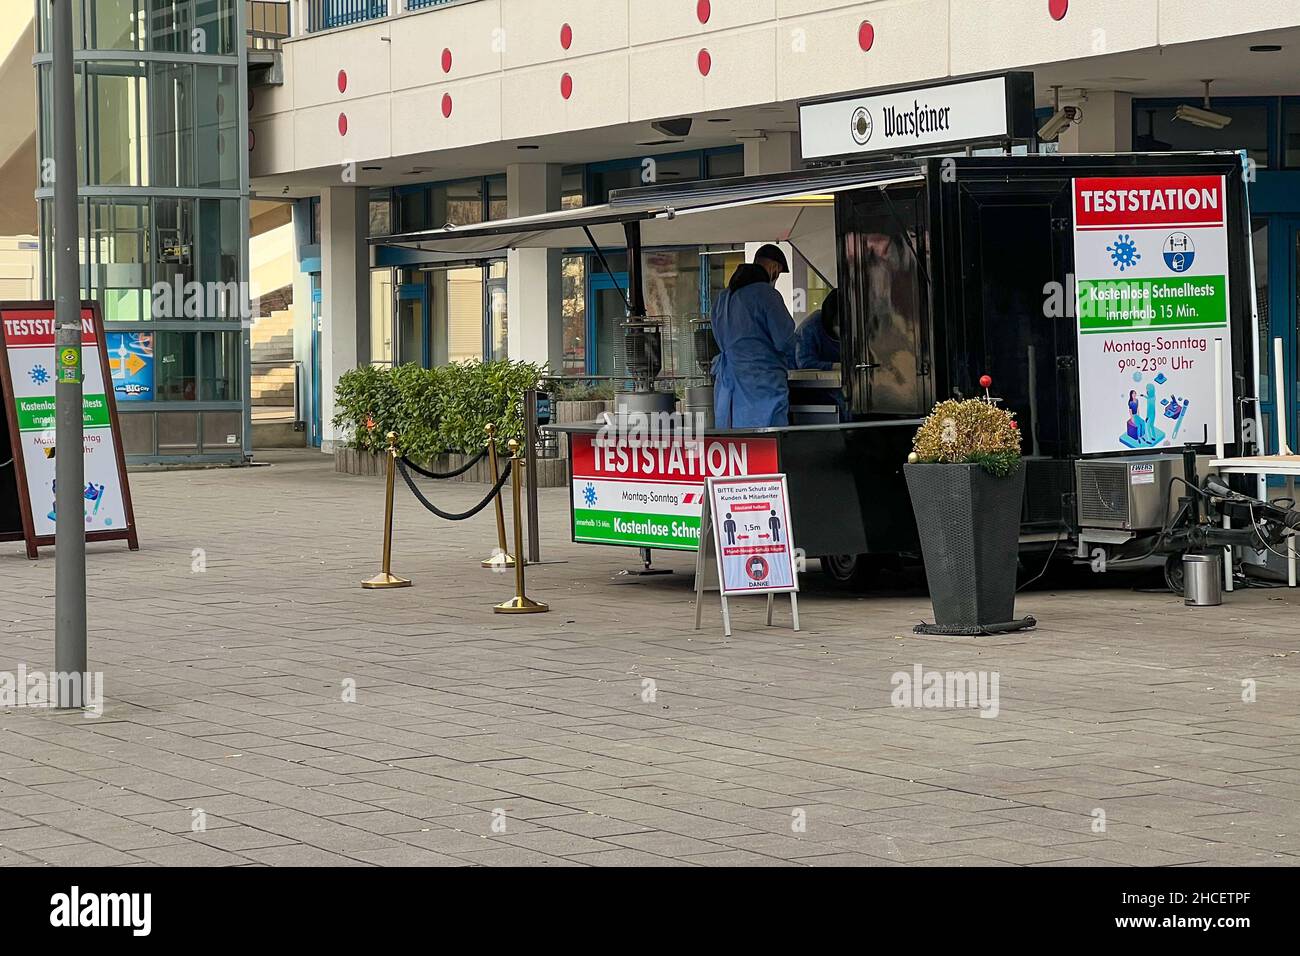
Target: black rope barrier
{"x": 419, "y": 496}
{"x": 440, "y": 476}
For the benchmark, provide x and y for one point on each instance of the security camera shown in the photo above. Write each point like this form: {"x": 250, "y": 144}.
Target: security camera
{"x": 1059, "y": 122}
{"x": 1202, "y": 115}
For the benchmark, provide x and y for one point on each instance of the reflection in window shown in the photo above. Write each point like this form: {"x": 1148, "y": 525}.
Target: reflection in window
{"x": 220, "y": 378}
{"x": 381, "y": 316}
{"x": 118, "y": 244}
{"x": 171, "y": 104}
{"x": 120, "y": 153}
{"x": 174, "y": 366}
{"x": 573, "y": 310}
{"x": 498, "y": 314}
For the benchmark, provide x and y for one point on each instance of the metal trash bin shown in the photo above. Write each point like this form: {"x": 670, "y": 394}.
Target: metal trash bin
{"x": 1202, "y": 580}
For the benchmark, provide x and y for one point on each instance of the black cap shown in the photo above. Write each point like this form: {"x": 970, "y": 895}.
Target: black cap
{"x": 772, "y": 253}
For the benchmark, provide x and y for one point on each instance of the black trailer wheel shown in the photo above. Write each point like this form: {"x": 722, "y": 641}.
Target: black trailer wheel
{"x": 1174, "y": 574}
{"x": 845, "y": 570}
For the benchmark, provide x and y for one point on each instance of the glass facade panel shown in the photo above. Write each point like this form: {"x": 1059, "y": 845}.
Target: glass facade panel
{"x": 171, "y": 123}
{"x": 1157, "y": 131}
{"x": 497, "y": 206}
{"x": 573, "y": 308}
{"x": 216, "y": 104}
{"x": 459, "y": 203}
{"x": 220, "y": 380}
{"x": 1291, "y": 135}
{"x": 174, "y": 367}
{"x": 119, "y": 155}
{"x": 381, "y": 316}
{"x": 498, "y": 313}
{"x": 458, "y": 306}
{"x": 381, "y": 212}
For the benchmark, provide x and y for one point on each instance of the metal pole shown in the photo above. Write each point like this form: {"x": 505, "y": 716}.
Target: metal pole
{"x": 69, "y": 467}
{"x": 530, "y": 458}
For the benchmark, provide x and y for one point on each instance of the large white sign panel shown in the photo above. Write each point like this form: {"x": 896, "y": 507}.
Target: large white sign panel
{"x": 906, "y": 120}
{"x": 1151, "y": 296}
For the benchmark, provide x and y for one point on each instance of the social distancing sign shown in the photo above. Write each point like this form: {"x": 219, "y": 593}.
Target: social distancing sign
{"x": 745, "y": 521}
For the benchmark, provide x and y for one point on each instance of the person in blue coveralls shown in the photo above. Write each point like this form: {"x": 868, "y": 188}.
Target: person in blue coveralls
{"x": 817, "y": 342}
{"x": 756, "y": 342}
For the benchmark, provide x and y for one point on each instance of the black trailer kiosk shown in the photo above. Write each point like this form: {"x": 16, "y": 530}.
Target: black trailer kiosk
{"x": 1090, "y": 288}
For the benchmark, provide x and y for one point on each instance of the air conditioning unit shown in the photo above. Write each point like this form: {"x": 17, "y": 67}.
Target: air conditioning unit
{"x": 1130, "y": 493}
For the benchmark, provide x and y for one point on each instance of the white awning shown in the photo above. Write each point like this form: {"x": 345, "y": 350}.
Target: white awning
{"x": 800, "y": 211}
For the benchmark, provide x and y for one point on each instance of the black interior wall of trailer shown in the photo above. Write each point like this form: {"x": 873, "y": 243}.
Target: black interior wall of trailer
{"x": 11, "y": 518}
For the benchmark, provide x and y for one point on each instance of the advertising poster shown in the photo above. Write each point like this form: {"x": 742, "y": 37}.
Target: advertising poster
{"x": 29, "y": 337}
{"x": 649, "y": 494}
{"x": 130, "y": 364}
{"x": 751, "y": 527}
{"x": 1151, "y": 265}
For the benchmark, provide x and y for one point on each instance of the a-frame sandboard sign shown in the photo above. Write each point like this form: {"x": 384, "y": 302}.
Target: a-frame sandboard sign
{"x": 28, "y": 369}
{"x": 745, "y": 522}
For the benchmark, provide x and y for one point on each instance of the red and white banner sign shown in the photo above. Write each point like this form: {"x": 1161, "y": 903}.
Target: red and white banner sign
{"x": 1149, "y": 202}
{"x": 33, "y": 328}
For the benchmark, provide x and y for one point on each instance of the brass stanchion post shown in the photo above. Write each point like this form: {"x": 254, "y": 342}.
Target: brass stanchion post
{"x": 520, "y": 604}
{"x": 385, "y": 578}
{"x": 502, "y": 558}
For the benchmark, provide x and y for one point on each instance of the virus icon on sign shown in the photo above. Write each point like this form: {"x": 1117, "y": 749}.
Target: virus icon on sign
{"x": 589, "y": 494}
{"x": 1124, "y": 253}
{"x": 39, "y": 375}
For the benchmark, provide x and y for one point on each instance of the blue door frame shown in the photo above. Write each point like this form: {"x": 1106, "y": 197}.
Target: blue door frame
{"x": 416, "y": 292}
{"x": 598, "y": 280}
{"x": 315, "y": 346}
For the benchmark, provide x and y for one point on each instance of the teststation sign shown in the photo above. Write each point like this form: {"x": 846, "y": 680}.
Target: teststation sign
{"x": 1151, "y": 296}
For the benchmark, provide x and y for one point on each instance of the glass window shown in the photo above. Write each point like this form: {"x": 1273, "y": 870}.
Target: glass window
{"x": 118, "y": 249}
{"x": 458, "y": 203}
{"x": 315, "y": 220}
{"x": 1291, "y": 135}
{"x": 573, "y": 309}
{"x": 458, "y": 312}
{"x": 381, "y": 316}
{"x": 413, "y": 209}
{"x": 1259, "y": 249}
{"x": 381, "y": 212}
{"x": 120, "y": 149}
{"x": 672, "y": 291}
{"x": 173, "y": 369}
{"x": 216, "y": 102}
{"x": 571, "y": 190}
{"x": 220, "y": 380}
{"x": 174, "y": 259}
{"x": 1156, "y": 130}
{"x": 115, "y": 24}
{"x": 498, "y": 314}
{"x": 728, "y": 162}
{"x": 497, "y": 206}
{"x": 219, "y": 247}
{"x": 171, "y": 123}
{"x": 644, "y": 172}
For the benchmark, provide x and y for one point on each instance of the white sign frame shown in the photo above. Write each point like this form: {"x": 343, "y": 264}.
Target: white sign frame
{"x": 926, "y": 118}
{"x": 711, "y": 533}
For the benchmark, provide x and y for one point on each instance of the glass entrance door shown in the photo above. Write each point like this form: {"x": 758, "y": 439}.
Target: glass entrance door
{"x": 413, "y": 323}
{"x": 607, "y": 310}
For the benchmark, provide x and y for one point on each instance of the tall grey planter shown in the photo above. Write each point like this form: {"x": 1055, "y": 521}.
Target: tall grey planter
{"x": 969, "y": 525}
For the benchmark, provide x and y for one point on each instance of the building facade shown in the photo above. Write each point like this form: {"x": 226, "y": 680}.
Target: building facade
{"x": 392, "y": 115}
{"x": 162, "y": 167}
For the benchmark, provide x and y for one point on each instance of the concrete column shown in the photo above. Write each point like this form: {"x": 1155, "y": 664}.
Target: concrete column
{"x": 1107, "y": 125}
{"x": 345, "y": 293}
{"x": 533, "y": 283}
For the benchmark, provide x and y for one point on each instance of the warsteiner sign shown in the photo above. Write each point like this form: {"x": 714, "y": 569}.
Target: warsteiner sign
{"x": 919, "y": 119}
{"x": 647, "y": 493}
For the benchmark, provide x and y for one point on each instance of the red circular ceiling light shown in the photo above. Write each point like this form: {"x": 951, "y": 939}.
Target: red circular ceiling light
{"x": 705, "y": 62}
{"x": 446, "y": 106}
{"x": 866, "y": 36}
{"x": 343, "y": 124}
{"x": 566, "y": 36}
{"x": 566, "y": 86}
{"x": 446, "y": 61}
{"x": 343, "y": 81}
{"x": 1058, "y": 8}
{"x": 703, "y": 10}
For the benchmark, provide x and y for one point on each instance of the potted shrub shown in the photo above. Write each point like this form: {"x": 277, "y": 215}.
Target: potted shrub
{"x": 966, "y": 485}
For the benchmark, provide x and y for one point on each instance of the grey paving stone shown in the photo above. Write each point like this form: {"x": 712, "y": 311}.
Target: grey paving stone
{"x": 225, "y": 694}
